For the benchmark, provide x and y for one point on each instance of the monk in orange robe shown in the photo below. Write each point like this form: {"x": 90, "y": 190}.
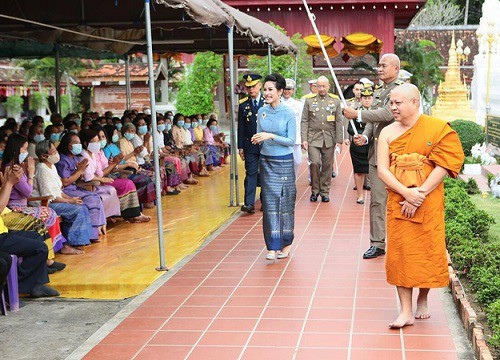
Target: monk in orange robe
{"x": 415, "y": 153}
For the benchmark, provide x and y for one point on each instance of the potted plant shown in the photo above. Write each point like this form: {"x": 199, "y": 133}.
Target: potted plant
{"x": 14, "y": 106}
{"x": 37, "y": 102}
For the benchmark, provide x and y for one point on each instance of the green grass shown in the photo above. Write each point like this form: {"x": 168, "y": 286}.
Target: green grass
{"x": 492, "y": 207}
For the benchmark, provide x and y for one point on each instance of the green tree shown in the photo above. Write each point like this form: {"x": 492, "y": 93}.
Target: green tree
{"x": 285, "y": 64}
{"x": 43, "y": 70}
{"x": 423, "y": 60}
{"x": 475, "y": 10}
{"x": 196, "y": 93}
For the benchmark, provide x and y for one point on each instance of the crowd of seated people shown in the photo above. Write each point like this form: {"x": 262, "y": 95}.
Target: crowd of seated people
{"x": 89, "y": 171}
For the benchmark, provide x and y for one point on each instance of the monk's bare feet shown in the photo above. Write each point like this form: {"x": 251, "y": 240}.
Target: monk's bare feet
{"x": 401, "y": 321}
{"x": 69, "y": 250}
{"x": 422, "y": 311}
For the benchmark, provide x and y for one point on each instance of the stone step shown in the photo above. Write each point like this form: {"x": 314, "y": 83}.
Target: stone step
{"x": 490, "y": 169}
{"x": 482, "y": 181}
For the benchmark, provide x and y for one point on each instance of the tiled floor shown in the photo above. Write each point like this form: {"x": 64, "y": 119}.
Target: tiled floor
{"x": 324, "y": 302}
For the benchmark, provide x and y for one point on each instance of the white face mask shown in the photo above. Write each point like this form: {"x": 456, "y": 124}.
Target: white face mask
{"x": 94, "y": 147}
{"x": 53, "y": 159}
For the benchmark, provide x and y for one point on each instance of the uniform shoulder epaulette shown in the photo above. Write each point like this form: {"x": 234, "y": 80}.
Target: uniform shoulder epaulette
{"x": 378, "y": 86}
{"x": 333, "y": 96}
{"x": 399, "y": 82}
{"x": 351, "y": 99}
{"x": 310, "y": 96}
{"x": 243, "y": 100}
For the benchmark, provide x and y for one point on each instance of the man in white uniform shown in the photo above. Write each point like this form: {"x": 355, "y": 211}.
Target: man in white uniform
{"x": 296, "y": 106}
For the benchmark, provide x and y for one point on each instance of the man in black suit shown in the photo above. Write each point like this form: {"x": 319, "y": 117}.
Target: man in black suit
{"x": 247, "y": 127}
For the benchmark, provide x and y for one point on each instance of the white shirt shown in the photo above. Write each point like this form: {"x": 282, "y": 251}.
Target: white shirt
{"x": 297, "y": 107}
{"x": 47, "y": 181}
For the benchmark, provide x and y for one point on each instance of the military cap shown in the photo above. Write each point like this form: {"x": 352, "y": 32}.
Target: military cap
{"x": 312, "y": 81}
{"x": 251, "y": 79}
{"x": 367, "y": 91}
{"x": 366, "y": 81}
{"x": 404, "y": 75}
{"x": 290, "y": 84}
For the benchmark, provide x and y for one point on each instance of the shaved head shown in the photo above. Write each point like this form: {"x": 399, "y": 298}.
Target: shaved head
{"x": 388, "y": 68}
{"x": 408, "y": 91}
{"x": 404, "y": 103}
{"x": 393, "y": 59}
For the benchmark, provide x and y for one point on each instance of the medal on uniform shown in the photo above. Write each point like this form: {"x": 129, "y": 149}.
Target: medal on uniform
{"x": 317, "y": 109}
{"x": 249, "y": 113}
{"x": 327, "y": 108}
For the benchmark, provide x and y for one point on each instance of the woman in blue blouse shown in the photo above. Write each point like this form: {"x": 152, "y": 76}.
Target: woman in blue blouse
{"x": 276, "y": 131}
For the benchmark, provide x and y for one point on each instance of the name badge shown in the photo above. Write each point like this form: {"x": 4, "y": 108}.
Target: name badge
{"x": 330, "y": 118}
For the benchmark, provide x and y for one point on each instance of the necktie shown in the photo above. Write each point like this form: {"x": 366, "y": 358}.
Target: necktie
{"x": 254, "y": 103}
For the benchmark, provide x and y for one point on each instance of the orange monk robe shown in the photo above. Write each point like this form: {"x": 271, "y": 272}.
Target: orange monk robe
{"x": 416, "y": 248}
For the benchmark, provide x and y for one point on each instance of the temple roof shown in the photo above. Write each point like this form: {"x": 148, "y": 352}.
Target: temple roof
{"x": 406, "y": 9}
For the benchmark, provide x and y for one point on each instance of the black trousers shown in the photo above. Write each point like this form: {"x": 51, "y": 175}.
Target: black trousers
{"x": 5, "y": 263}
{"x": 30, "y": 245}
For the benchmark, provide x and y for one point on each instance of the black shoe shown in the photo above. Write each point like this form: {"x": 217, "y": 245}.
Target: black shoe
{"x": 50, "y": 270}
{"x": 366, "y": 187}
{"x": 355, "y": 188}
{"x": 43, "y": 291}
{"x": 373, "y": 252}
{"x": 334, "y": 174}
{"x": 58, "y": 266}
{"x": 248, "y": 209}
{"x": 325, "y": 198}
{"x": 313, "y": 198}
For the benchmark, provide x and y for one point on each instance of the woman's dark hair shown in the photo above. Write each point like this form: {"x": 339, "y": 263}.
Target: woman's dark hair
{"x": 176, "y": 118}
{"x": 37, "y": 120}
{"x": 278, "y": 79}
{"x": 12, "y": 150}
{"x": 69, "y": 124}
{"x": 48, "y": 131}
{"x": 96, "y": 127}
{"x": 87, "y": 135}
{"x": 63, "y": 147}
{"x": 210, "y": 122}
{"x": 25, "y": 127}
{"x": 32, "y": 132}
{"x": 109, "y": 130}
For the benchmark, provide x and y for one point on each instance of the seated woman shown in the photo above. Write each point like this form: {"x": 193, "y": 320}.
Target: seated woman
{"x": 127, "y": 194}
{"x": 52, "y": 133}
{"x": 76, "y": 227}
{"x": 109, "y": 197}
{"x": 70, "y": 168}
{"x": 15, "y": 154}
{"x": 32, "y": 272}
{"x": 208, "y": 137}
{"x": 131, "y": 143}
{"x": 35, "y": 135}
{"x": 179, "y": 135}
{"x": 145, "y": 186}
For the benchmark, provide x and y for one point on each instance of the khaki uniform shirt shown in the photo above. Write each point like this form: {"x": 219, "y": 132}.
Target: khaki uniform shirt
{"x": 379, "y": 118}
{"x": 321, "y": 123}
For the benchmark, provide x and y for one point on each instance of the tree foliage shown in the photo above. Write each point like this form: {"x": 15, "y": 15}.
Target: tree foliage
{"x": 285, "y": 64}
{"x": 44, "y": 69}
{"x": 423, "y": 60}
{"x": 196, "y": 93}
{"x": 438, "y": 13}
{"x": 475, "y": 10}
